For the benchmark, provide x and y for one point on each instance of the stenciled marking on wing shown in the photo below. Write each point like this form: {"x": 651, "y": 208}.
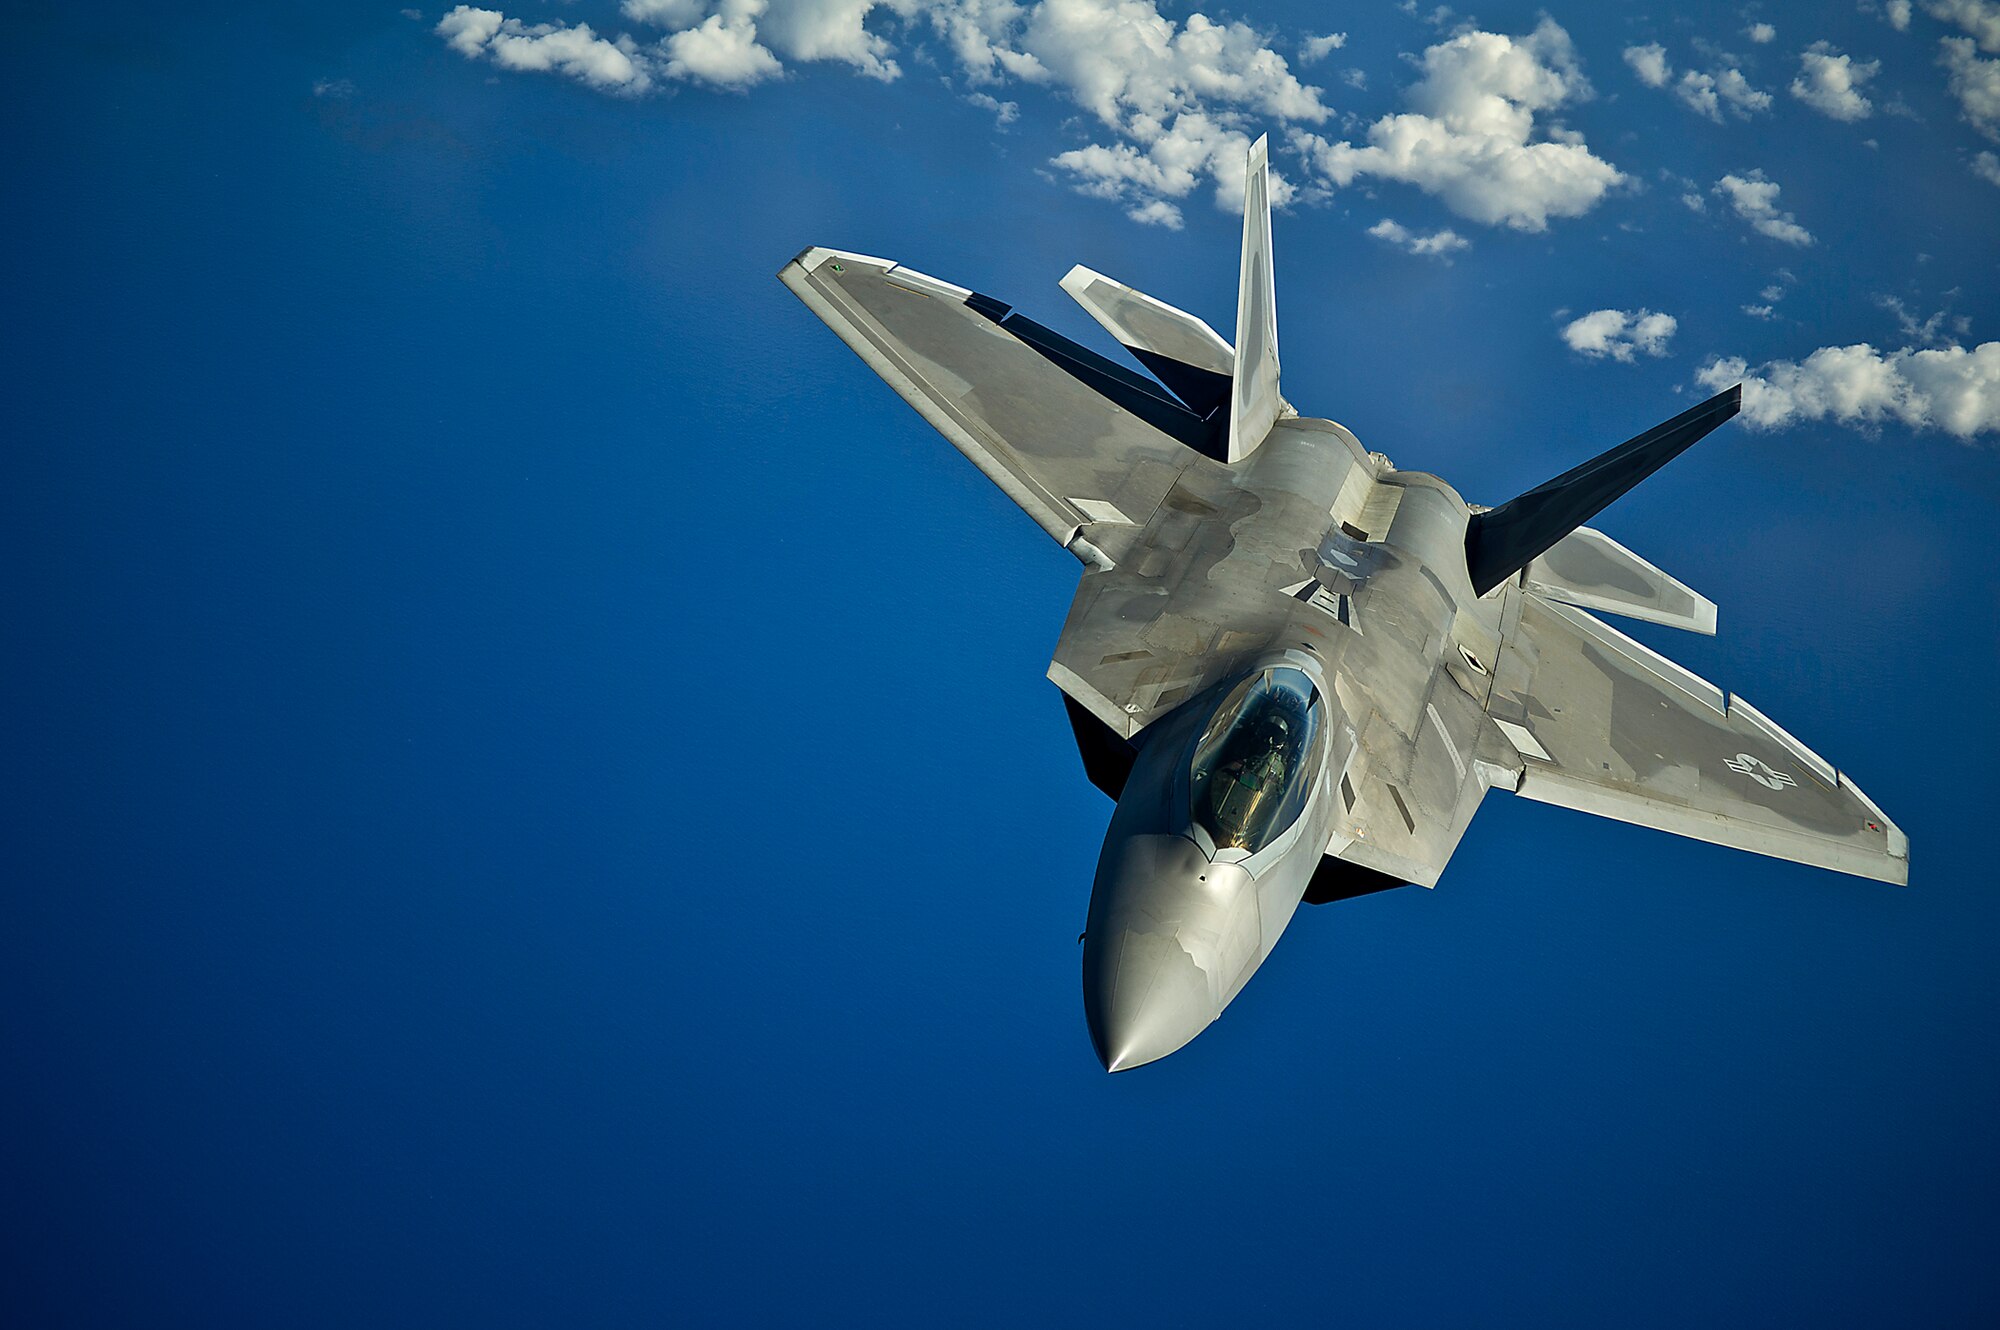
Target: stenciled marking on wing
{"x": 1757, "y": 769}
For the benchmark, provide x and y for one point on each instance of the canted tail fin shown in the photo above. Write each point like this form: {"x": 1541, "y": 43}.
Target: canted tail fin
{"x": 1254, "y": 400}
{"x": 1502, "y": 541}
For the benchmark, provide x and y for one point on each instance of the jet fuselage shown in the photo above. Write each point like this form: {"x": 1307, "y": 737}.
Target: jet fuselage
{"x": 1380, "y": 627}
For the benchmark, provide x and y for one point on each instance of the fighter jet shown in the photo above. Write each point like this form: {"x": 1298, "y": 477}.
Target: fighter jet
{"x": 1297, "y": 669}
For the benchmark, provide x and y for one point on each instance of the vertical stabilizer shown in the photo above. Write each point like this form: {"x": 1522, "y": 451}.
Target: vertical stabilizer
{"x": 1254, "y": 403}
{"x": 1502, "y": 541}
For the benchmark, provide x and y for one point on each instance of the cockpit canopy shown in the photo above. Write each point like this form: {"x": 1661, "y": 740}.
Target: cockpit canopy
{"x": 1256, "y": 762}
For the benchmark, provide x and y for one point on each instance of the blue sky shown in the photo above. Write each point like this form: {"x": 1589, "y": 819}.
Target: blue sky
{"x": 531, "y": 791}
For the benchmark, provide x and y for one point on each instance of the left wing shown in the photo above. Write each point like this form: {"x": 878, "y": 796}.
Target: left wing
{"x": 1071, "y": 437}
{"x": 1606, "y": 726}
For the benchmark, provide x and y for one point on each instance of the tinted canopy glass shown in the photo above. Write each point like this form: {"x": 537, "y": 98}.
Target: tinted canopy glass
{"x": 1253, "y": 768}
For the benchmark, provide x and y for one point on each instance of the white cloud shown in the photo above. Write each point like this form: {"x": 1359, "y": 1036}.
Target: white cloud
{"x": 1830, "y": 82}
{"x": 1923, "y": 332}
{"x": 1318, "y": 48}
{"x": 1438, "y": 244}
{"x": 1123, "y": 61}
{"x": 1649, "y": 62}
{"x": 1470, "y": 138}
{"x": 1156, "y": 213}
{"x": 721, "y": 51}
{"x": 467, "y": 30}
{"x": 1976, "y": 84}
{"x": 1981, "y": 18}
{"x": 666, "y": 13}
{"x": 1620, "y": 334}
{"x": 1004, "y": 113}
{"x": 1761, "y": 311}
{"x": 1707, "y": 94}
{"x": 1761, "y": 33}
{"x": 1755, "y": 199}
{"x": 576, "y": 51}
{"x": 1697, "y": 93}
{"x": 1181, "y": 98}
{"x": 1898, "y": 14}
{"x": 1987, "y": 167}
{"x": 1737, "y": 92}
{"x": 1948, "y": 388}
{"x": 1169, "y": 166}
{"x": 1704, "y": 94}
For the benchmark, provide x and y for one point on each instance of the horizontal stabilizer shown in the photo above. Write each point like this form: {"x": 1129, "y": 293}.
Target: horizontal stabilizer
{"x": 1502, "y": 541}
{"x": 1132, "y": 392}
{"x": 1180, "y": 350}
{"x": 1590, "y": 570}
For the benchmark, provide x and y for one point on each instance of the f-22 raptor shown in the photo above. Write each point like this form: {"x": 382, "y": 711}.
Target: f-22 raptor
{"x": 1296, "y": 668}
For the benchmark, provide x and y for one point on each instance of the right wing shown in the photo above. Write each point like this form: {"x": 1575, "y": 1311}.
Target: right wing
{"x": 1606, "y": 726}
{"x": 1069, "y": 436}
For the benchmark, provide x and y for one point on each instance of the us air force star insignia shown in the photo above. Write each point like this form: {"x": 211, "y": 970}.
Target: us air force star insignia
{"x": 1757, "y": 769}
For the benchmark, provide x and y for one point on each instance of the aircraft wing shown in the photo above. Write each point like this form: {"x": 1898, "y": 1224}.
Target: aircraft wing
{"x": 1607, "y": 726}
{"x": 1069, "y": 436}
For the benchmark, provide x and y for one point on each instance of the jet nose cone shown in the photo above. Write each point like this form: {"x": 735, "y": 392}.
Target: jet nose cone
{"x": 1143, "y": 997}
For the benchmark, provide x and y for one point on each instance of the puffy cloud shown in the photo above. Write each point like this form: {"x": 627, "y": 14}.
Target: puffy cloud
{"x": 1004, "y": 113}
{"x": 735, "y": 43}
{"x": 1761, "y": 33}
{"x": 1898, "y": 14}
{"x": 1121, "y": 59}
{"x": 1737, "y": 92}
{"x": 1620, "y": 334}
{"x": 1649, "y": 62}
{"x": 1830, "y": 82}
{"x": 1170, "y": 166}
{"x": 1947, "y": 388}
{"x": 1318, "y": 48}
{"x": 1471, "y": 138}
{"x": 1987, "y": 167}
{"x": 1705, "y": 94}
{"x": 1179, "y": 97}
{"x": 1976, "y": 84}
{"x": 1156, "y": 213}
{"x": 721, "y": 51}
{"x": 467, "y": 30}
{"x": 576, "y": 51}
{"x": 1981, "y": 18}
{"x": 1761, "y": 311}
{"x": 1755, "y": 199}
{"x": 1438, "y": 244}
{"x": 666, "y": 13}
